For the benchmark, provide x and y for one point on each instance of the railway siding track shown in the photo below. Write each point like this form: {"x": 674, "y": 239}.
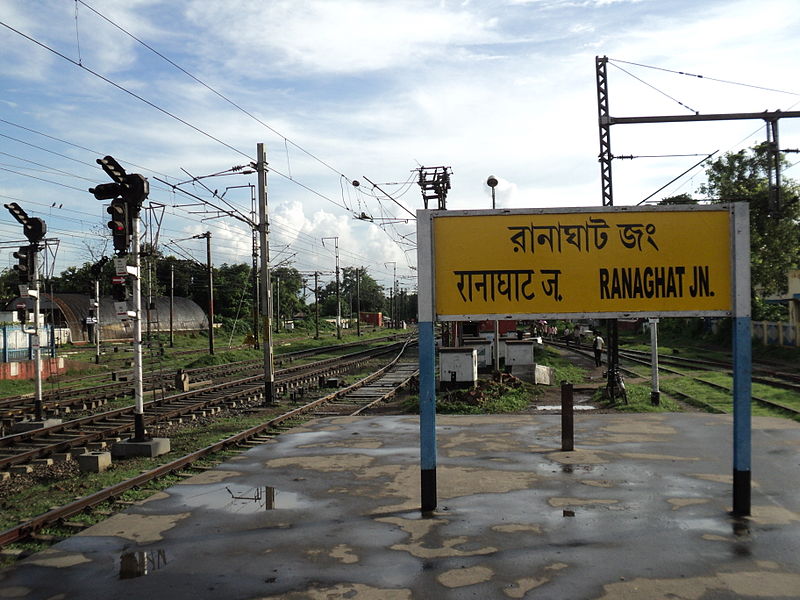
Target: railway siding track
{"x": 378, "y": 386}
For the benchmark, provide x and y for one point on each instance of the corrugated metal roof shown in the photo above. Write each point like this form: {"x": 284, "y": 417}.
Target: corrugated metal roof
{"x": 72, "y": 310}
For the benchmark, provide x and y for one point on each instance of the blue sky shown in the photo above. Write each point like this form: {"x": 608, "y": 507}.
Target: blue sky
{"x": 369, "y": 89}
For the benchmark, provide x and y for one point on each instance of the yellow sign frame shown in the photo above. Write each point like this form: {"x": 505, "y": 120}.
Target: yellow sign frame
{"x": 605, "y": 262}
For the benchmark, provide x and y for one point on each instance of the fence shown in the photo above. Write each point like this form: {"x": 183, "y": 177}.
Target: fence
{"x": 772, "y": 333}
{"x": 15, "y": 345}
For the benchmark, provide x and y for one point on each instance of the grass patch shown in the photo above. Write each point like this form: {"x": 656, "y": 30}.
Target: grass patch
{"x": 719, "y": 399}
{"x": 760, "y": 390}
{"x": 563, "y": 368}
{"x": 15, "y": 387}
{"x": 639, "y": 400}
{"x": 489, "y": 397}
{"x": 223, "y": 358}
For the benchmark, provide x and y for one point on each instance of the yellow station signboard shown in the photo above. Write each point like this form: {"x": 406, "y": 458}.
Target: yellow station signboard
{"x": 616, "y": 261}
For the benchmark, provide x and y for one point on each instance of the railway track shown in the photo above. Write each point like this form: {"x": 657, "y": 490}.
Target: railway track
{"x": 63, "y": 402}
{"x": 775, "y": 378}
{"x": 17, "y": 452}
{"x": 361, "y": 396}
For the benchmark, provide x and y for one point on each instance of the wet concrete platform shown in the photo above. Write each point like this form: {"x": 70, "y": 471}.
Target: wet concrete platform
{"x": 330, "y": 510}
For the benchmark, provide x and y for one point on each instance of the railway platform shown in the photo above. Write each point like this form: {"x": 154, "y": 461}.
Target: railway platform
{"x": 638, "y": 511}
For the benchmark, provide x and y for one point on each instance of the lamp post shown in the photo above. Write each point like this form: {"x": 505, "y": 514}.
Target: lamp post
{"x": 492, "y": 183}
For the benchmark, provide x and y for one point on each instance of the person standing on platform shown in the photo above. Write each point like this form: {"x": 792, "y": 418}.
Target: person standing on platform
{"x": 598, "y": 345}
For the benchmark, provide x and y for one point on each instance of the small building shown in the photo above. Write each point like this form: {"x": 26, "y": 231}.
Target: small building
{"x": 791, "y": 298}
{"x": 371, "y": 318}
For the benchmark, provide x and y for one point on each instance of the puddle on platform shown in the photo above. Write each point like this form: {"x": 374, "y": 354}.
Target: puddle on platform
{"x": 705, "y": 524}
{"x": 257, "y": 499}
{"x": 240, "y": 499}
{"x": 136, "y": 564}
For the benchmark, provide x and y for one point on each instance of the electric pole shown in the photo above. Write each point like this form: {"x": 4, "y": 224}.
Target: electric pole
{"x": 254, "y": 273}
{"x": 96, "y": 328}
{"x": 210, "y": 274}
{"x": 358, "y": 302}
{"x": 171, "y": 305}
{"x": 266, "y": 283}
{"x": 316, "y": 305}
{"x": 338, "y": 296}
{"x": 277, "y": 303}
{"x": 392, "y": 293}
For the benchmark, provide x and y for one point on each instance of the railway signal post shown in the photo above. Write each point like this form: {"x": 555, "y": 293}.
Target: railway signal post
{"x": 34, "y": 229}
{"x": 127, "y": 194}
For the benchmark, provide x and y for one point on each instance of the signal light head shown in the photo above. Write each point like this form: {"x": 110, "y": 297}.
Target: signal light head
{"x": 112, "y": 168}
{"x": 106, "y": 191}
{"x": 25, "y": 266}
{"x": 119, "y": 225}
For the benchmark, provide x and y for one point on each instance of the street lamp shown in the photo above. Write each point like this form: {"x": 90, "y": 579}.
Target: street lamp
{"x": 492, "y": 183}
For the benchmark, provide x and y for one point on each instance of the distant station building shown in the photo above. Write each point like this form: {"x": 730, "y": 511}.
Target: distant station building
{"x": 71, "y": 316}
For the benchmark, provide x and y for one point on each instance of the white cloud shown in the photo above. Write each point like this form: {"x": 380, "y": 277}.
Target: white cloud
{"x": 346, "y": 36}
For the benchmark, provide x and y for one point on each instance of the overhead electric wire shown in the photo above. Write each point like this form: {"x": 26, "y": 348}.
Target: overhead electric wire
{"x": 726, "y": 81}
{"x": 49, "y": 169}
{"x": 71, "y": 187}
{"x": 95, "y": 152}
{"x": 697, "y": 164}
{"x": 663, "y": 93}
{"x": 217, "y": 93}
{"x": 42, "y": 148}
{"x": 123, "y": 89}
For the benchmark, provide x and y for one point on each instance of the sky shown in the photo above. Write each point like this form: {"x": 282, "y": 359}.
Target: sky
{"x": 344, "y": 91}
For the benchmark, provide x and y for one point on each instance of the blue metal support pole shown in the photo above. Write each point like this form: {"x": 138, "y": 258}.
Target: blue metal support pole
{"x": 742, "y": 384}
{"x": 742, "y": 359}
{"x": 427, "y": 416}
{"x": 427, "y": 361}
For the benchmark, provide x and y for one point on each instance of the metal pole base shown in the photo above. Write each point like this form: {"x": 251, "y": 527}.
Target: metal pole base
{"x": 139, "y": 433}
{"x": 428, "y": 489}
{"x": 655, "y": 398}
{"x": 567, "y": 418}
{"x": 741, "y": 493}
{"x": 269, "y": 394}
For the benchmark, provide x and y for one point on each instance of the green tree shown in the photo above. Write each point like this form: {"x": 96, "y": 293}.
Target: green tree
{"x": 190, "y": 279}
{"x": 774, "y": 233}
{"x": 9, "y": 286}
{"x": 291, "y": 288}
{"x": 369, "y": 292}
{"x": 679, "y": 199}
{"x": 233, "y": 291}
